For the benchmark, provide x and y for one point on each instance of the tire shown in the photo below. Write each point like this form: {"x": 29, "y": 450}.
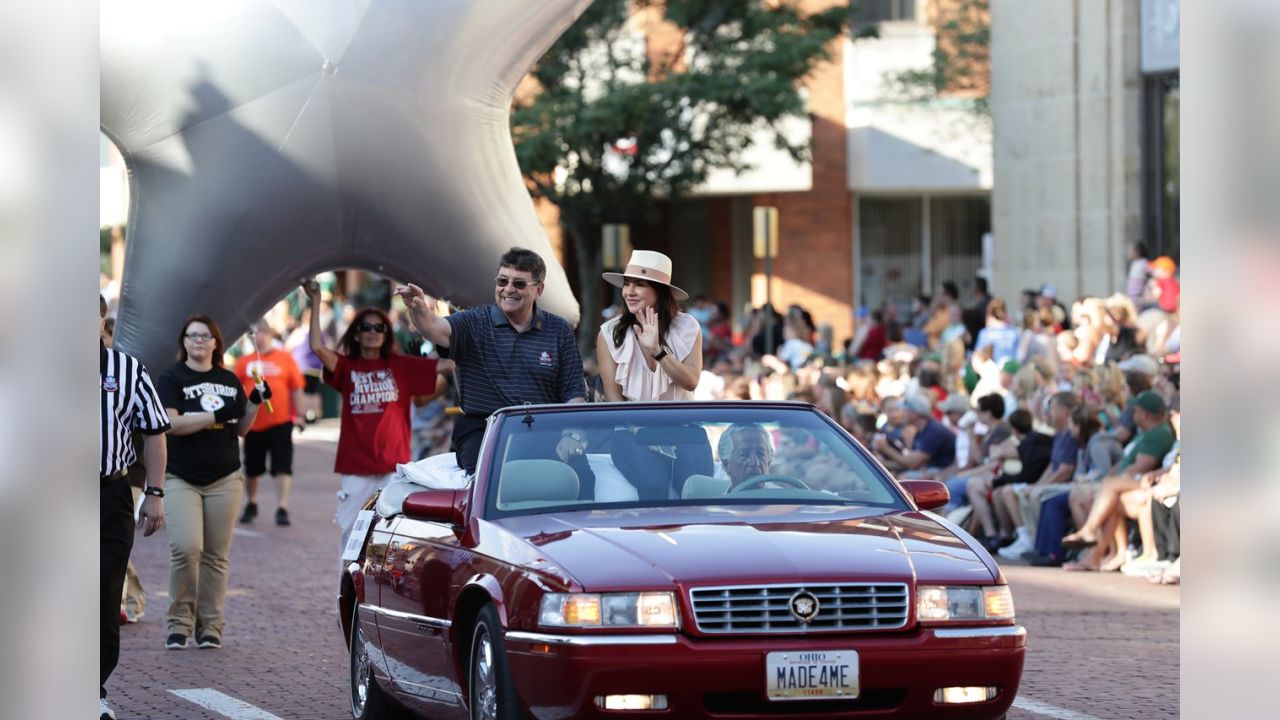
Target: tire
{"x": 492, "y": 696}
{"x": 368, "y": 700}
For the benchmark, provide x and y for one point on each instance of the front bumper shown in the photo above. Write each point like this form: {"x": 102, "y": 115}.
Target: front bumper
{"x": 558, "y": 676}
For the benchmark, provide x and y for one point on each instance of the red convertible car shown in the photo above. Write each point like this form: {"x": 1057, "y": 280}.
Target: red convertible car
{"x": 675, "y": 560}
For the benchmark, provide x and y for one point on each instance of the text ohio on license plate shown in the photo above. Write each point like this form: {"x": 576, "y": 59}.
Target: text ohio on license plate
{"x": 812, "y": 675}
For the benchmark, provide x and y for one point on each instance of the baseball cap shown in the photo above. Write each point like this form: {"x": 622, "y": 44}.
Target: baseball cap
{"x": 1164, "y": 263}
{"x": 1011, "y": 367}
{"x": 1144, "y": 364}
{"x": 918, "y": 404}
{"x": 954, "y": 403}
{"x": 1151, "y": 401}
{"x": 1049, "y": 291}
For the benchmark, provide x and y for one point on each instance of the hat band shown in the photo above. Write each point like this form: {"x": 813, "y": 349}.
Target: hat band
{"x": 647, "y": 273}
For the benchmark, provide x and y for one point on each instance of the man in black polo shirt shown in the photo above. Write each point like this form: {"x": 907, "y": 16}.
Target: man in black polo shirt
{"x": 507, "y": 353}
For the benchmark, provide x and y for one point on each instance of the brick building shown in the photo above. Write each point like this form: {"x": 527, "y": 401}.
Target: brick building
{"x": 895, "y": 201}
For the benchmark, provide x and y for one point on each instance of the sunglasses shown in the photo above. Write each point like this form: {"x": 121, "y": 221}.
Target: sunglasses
{"x": 517, "y": 284}
{"x": 198, "y": 337}
{"x": 372, "y": 327}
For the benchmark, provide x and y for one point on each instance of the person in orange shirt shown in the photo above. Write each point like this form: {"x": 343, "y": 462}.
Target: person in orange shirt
{"x": 272, "y": 431}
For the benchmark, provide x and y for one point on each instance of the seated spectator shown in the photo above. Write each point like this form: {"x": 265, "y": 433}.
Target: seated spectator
{"x": 933, "y": 447}
{"x": 795, "y": 350}
{"x": 992, "y": 511}
{"x": 998, "y": 334}
{"x": 1166, "y": 511}
{"x": 991, "y": 440}
{"x": 895, "y": 428}
{"x": 861, "y": 425}
{"x": 1098, "y": 452}
{"x": 1104, "y": 530}
{"x": 1024, "y": 505}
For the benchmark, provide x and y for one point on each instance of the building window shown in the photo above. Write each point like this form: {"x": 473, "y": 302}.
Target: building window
{"x": 911, "y": 245}
{"x": 867, "y": 12}
{"x": 891, "y": 237}
{"x": 1161, "y": 187}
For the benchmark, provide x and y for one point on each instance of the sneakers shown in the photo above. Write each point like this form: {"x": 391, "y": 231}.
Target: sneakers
{"x": 130, "y": 615}
{"x": 104, "y": 710}
{"x": 250, "y": 512}
{"x": 282, "y": 517}
{"x": 176, "y": 641}
{"x": 1143, "y": 568}
{"x": 210, "y": 642}
{"x": 1015, "y": 550}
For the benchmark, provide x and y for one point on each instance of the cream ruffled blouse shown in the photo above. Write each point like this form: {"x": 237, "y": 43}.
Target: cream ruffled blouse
{"x": 637, "y": 380}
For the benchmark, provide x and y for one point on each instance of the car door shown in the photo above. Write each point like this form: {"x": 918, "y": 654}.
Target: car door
{"x": 415, "y": 601}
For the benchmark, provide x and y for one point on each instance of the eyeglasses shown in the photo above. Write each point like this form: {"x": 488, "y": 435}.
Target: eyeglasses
{"x": 372, "y": 327}
{"x": 198, "y": 337}
{"x": 517, "y": 284}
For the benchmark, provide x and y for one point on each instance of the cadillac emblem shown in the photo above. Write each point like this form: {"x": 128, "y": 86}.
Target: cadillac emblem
{"x": 804, "y": 606}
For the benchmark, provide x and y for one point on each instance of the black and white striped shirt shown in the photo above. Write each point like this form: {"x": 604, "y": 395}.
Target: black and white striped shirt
{"x": 127, "y": 402}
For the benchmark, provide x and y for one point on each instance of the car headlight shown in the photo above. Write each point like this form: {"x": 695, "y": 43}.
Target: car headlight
{"x": 949, "y": 604}
{"x": 645, "y": 609}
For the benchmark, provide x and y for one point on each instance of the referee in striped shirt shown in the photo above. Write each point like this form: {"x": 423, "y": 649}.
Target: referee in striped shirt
{"x": 127, "y": 402}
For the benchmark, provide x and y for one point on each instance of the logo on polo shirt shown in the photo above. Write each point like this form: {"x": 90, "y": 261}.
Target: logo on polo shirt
{"x": 544, "y": 359}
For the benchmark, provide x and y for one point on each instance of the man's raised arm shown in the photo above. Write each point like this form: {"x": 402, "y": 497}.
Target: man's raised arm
{"x": 422, "y": 313}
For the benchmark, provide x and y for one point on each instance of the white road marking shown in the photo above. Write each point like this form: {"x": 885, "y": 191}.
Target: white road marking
{"x": 1053, "y": 711}
{"x": 246, "y": 533}
{"x": 224, "y": 704}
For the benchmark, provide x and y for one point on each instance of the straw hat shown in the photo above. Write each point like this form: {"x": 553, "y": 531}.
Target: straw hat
{"x": 647, "y": 265}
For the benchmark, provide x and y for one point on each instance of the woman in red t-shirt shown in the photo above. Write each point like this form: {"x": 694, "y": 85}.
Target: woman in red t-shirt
{"x": 378, "y": 386}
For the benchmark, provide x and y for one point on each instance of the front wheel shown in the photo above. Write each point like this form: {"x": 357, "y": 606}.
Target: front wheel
{"x": 368, "y": 700}
{"x": 492, "y": 695}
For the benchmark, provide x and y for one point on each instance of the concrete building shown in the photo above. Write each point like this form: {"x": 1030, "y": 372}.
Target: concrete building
{"x": 1084, "y": 98}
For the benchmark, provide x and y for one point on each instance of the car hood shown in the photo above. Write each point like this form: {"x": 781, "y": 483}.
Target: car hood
{"x": 651, "y": 548}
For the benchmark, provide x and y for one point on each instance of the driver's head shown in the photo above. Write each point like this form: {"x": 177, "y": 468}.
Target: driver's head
{"x": 745, "y": 451}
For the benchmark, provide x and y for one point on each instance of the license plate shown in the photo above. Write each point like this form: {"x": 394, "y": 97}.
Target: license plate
{"x": 812, "y": 675}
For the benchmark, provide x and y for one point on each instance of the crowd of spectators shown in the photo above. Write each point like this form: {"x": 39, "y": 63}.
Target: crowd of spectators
{"x": 1055, "y": 426}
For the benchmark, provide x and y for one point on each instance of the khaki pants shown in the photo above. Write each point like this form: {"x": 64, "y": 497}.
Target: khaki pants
{"x": 1031, "y": 498}
{"x": 135, "y": 596}
{"x": 200, "y": 520}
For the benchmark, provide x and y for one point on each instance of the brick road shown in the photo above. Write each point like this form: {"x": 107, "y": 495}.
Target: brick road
{"x": 1100, "y": 646}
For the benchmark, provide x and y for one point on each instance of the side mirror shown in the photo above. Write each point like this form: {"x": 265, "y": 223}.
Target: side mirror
{"x": 927, "y": 494}
{"x": 445, "y": 506}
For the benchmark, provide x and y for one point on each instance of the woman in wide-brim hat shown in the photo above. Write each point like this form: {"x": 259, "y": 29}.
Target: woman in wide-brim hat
{"x": 651, "y": 350}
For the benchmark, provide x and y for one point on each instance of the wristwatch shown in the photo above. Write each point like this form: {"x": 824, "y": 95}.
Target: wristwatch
{"x": 153, "y": 491}
{"x": 662, "y": 352}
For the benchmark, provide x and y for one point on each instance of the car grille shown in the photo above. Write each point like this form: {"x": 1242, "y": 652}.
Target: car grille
{"x": 750, "y": 609}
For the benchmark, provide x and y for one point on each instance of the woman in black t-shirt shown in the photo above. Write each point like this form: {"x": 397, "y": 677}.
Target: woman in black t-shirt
{"x": 209, "y": 410}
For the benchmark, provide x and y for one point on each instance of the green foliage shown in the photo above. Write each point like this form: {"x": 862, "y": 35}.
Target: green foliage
{"x": 736, "y": 70}
{"x": 960, "y": 61}
{"x": 688, "y": 112}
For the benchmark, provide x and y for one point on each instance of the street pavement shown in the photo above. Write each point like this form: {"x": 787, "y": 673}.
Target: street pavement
{"x": 1099, "y": 646}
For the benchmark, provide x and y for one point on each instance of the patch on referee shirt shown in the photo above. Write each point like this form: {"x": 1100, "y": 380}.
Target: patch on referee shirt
{"x": 109, "y": 383}
{"x": 544, "y": 359}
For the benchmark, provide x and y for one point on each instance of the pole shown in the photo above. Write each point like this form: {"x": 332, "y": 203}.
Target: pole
{"x": 768, "y": 304}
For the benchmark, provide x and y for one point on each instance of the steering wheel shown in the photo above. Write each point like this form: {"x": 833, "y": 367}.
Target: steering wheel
{"x": 758, "y": 480}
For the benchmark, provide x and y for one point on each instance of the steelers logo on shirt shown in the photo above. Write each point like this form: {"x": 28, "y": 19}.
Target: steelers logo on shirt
{"x": 211, "y": 403}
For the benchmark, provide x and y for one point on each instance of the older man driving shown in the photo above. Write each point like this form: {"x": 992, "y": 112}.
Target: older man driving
{"x": 745, "y": 452}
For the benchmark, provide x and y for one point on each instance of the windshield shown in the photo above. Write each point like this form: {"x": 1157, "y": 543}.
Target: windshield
{"x": 620, "y": 457}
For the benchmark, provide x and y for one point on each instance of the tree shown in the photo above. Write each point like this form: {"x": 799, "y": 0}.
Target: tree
{"x": 613, "y": 127}
{"x": 961, "y": 66}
